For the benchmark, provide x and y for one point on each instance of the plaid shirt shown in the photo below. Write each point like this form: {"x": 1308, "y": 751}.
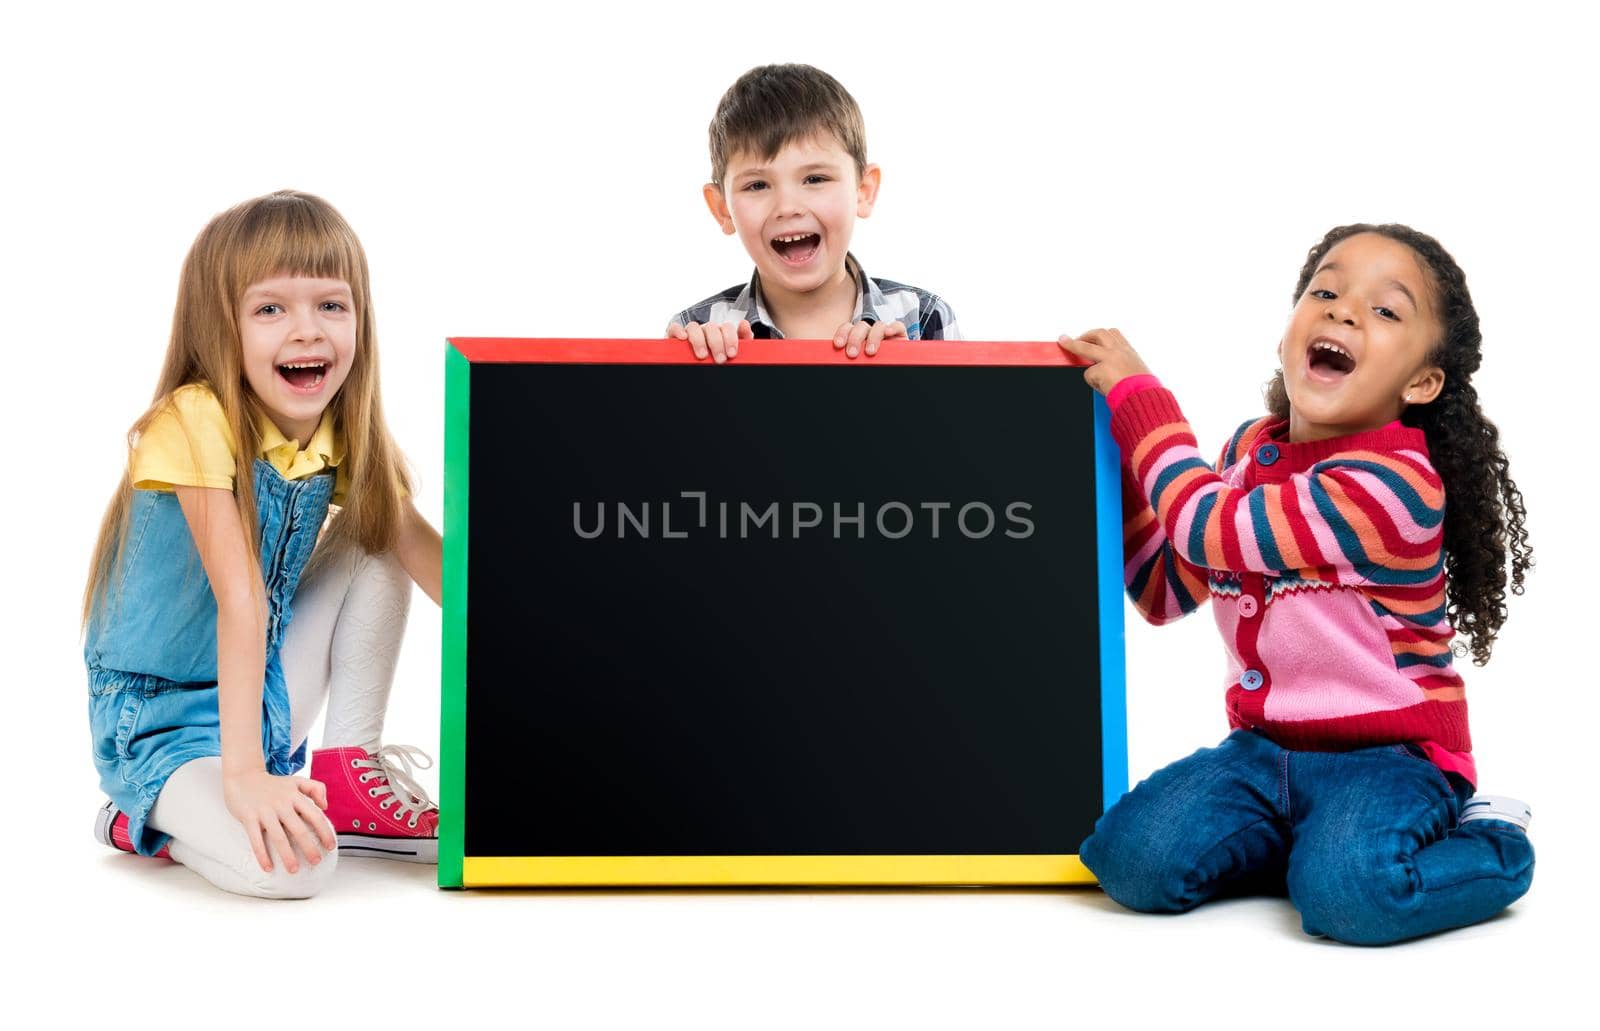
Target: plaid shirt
{"x": 926, "y": 316}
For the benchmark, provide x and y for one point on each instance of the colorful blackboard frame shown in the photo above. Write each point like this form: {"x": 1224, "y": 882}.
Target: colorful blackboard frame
{"x": 459, "y": 869}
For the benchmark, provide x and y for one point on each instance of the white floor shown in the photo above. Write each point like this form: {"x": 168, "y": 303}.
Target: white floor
{"x": 112, "y": 936}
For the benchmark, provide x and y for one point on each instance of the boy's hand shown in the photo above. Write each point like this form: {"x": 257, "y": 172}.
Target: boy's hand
{"x": 1112, "y": 359}
{"x": 856, "y": 337}
{"x": 718, "y": 341}
{"x": 275, "y": 810}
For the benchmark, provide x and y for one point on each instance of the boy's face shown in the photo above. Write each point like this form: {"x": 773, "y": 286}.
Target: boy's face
{"x": 795, "y": 212}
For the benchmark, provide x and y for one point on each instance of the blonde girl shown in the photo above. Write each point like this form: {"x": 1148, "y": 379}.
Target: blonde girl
{"x": 256, "y": 561}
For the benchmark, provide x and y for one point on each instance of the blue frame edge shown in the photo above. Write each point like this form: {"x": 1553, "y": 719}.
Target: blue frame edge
{"x": 1113, "y": 641}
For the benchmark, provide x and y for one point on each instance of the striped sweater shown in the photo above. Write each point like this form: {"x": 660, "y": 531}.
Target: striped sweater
{"x": 1325, "y": 564}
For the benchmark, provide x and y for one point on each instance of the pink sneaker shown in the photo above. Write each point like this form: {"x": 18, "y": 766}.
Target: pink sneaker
{"x": 376, "y": 806}
{"x": 111, "y": 828}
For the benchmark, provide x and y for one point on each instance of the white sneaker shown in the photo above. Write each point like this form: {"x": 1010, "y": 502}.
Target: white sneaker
{"x": 1497, "y": 807}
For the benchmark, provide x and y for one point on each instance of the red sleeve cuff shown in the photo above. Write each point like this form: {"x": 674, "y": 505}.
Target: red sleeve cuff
{"x": 1130, "y": 385}
{"x": 1142, "y": 413}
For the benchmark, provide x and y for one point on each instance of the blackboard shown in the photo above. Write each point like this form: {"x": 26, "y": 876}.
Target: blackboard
{"x": 789, "y": 620}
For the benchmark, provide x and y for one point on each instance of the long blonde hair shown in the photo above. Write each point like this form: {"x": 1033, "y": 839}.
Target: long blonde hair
{"x": 283, "y": 233}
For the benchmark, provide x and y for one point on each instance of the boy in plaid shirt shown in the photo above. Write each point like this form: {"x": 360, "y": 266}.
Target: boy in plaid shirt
{"x": 789, "y": 175}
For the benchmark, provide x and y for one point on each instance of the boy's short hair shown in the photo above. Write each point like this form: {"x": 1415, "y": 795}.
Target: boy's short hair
{"x": 777, "y": 104}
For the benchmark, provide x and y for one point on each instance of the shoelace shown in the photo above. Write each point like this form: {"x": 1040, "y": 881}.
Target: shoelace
{"x": 393, "y": 766}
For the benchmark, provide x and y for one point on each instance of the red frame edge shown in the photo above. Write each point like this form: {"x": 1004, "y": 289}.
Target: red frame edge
{"x": 660, "y": 351}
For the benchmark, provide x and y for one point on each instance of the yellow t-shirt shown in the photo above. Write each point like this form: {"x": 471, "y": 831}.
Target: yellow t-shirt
{"x": 189, "y": 444}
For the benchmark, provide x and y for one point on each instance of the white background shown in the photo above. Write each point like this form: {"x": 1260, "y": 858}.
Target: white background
{"x": 533, "y": 171}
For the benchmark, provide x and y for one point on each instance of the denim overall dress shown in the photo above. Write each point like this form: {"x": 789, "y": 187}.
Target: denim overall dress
{"x": 151, "y": 647}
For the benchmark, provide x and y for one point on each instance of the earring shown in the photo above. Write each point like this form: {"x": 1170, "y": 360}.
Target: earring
{"x": 1406, "y": 399}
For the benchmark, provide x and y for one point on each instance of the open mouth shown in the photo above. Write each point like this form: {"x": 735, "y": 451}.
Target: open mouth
{"x": 797, "y": 248}
{"x": 304, "y": 375}
{"x": 1329, "y": 361}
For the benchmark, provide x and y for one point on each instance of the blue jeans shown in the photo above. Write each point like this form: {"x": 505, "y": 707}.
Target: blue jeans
{"x": 1365, "y": 843}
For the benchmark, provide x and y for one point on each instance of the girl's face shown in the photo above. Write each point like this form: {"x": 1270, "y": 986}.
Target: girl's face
{"x": 1355, "y": 352}
{"x": 299, "y": 337}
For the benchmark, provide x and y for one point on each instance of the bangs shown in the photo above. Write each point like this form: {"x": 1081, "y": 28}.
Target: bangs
{"x": 773, "y": 106}
{"x": 768, "y": 137}
{"x": 768, "y": 140}
{"x": 293, "y": 234}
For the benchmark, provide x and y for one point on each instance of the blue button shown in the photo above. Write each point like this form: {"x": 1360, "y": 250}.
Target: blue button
{"x": 1252, "y": 680}
{"x": 1266, "y": 454}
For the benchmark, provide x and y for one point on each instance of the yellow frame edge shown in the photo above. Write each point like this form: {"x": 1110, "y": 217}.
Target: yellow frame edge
{"x": 672, "y": 871}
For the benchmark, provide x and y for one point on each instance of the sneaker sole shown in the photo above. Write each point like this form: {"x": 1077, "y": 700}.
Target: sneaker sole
{"x": 406, "y": 850}
{"x": 102, "y": 824}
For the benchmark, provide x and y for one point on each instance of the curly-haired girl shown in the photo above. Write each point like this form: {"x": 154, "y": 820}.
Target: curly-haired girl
{"x": 1339, "y": 576}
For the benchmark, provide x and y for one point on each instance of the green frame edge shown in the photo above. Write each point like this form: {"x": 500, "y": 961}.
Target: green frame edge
{"x": 453, "y": 642}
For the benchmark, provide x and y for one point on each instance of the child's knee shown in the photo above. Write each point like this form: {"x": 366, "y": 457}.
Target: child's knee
{"x": 1140, "y": 862}
{"x": 380, "y": 567}
{"x": 1338, "y": 899}
{"x": 1191, "y": 830}
{"x": 278, "y": 883}
{"x": 381, "y": 584}
{"x": 234, "y": 868}
{"x": 1363, "y": 896}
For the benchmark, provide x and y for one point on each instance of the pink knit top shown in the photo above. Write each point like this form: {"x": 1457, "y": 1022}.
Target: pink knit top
{"x": 1325, "y": 565}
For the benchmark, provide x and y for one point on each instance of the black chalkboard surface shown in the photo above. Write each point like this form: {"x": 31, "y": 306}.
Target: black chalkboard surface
{"x": 788, "y": 620}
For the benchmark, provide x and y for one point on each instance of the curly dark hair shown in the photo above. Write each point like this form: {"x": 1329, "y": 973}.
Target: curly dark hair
{"x": 1484, "y": 515}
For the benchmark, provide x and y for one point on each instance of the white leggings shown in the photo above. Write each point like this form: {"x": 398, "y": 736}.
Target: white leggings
{"x": 341, "y": 646}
